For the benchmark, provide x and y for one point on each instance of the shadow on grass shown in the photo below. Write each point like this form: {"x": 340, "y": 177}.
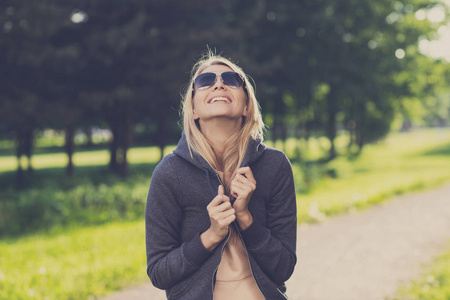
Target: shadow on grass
{"x": 56, "y": 177}
{"x": 438, "y": 151}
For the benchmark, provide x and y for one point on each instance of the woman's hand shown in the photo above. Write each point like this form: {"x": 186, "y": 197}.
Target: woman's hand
{"x": 221, "y": 215}
{"x": 242, "y": 187}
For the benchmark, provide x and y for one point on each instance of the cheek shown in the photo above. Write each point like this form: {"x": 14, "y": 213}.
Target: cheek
{"x": 242, "y": 98}
{"x": 196, "y": 101}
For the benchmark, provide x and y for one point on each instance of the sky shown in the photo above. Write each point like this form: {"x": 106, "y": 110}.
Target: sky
{"x": 439, "y": 48}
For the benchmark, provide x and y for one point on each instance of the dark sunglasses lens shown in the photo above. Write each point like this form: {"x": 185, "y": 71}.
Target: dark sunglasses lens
{"x": 232, "y": 79}
{"x": 205, "y": 79}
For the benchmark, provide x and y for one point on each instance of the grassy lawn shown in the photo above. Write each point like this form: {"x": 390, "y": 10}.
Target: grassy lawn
{"x": 434, "y": 283}
{"x": 75, "y": 263}
{"x": 85, "y": 158}
{"x": 399, "y": 164}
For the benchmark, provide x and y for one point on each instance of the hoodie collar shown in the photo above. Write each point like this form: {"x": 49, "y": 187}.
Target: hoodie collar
{"x": 254, "y": 151}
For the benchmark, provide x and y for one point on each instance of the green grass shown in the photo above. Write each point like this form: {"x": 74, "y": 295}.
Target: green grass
{"x": 402, "y": 163}
{"x": 74, "y": 263}
{"x": 434, "y": 283}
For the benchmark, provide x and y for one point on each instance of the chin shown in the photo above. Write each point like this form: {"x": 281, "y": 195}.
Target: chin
{"x": 222, "y": 116}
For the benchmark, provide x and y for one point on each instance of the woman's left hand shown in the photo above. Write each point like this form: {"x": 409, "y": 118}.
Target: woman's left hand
{"x": 242, "y": 187}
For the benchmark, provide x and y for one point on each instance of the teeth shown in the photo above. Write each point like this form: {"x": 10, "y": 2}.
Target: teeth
{"x": 219, "y": 99}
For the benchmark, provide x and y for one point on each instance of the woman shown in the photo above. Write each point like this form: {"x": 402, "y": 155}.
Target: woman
{"x": 221, "y": 209}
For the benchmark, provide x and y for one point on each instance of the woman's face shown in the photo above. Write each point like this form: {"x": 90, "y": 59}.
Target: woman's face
{"x": 219, "y": 100}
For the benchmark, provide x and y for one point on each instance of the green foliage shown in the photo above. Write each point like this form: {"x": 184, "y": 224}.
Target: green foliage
{"x": 77, "y": 64}
{"x": 427, "y": 101}
{"x": 44, "y": 209}
{"x": 52, "y": 201}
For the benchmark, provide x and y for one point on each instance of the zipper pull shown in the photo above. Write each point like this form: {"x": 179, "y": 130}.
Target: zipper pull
{"x": 220, "y": 180}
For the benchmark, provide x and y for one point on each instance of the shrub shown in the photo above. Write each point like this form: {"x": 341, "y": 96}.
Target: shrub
{"x": 44, "y": 209}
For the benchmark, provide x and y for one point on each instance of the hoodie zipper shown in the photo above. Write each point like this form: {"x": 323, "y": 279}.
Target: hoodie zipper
{"x": 220, "y": 181}
{"x": 223, "y": 246}
{"x": 248, "y": 259}
{"x": 283, "y": 294}
{"x": 215, "y": 270}
{"x": 245, "y": 248}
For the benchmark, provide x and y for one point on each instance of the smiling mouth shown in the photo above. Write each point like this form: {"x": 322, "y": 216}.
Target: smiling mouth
{"x": 219, "y": 99}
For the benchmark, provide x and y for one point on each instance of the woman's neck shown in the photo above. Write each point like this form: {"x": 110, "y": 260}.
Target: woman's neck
{"x": 218, "y": 131}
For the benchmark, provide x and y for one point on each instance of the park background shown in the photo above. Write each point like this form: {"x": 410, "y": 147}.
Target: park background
{"x": 355, "y": 92}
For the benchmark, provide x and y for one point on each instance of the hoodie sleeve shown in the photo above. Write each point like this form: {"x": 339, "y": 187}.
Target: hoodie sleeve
{"x": 273, "y": 246}
{"x": 168, "y": 260}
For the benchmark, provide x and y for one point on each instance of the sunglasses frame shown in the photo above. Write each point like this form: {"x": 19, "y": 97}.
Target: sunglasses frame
{"x": 215, "y": 80}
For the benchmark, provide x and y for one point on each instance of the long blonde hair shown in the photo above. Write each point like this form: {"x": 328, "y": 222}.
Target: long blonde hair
{"x": 236, "y": 145}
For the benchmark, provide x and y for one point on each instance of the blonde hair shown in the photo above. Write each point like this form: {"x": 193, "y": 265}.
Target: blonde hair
{"x": 236, "y": 145}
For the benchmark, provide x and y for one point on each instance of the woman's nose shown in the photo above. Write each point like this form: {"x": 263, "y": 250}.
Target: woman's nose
{"x": 219, "y": 83}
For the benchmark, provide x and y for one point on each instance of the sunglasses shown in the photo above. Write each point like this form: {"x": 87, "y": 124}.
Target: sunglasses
{"x": 206, "y": 80}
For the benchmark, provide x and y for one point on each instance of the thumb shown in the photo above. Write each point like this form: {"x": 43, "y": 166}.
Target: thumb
{"x": 220, "y": 190}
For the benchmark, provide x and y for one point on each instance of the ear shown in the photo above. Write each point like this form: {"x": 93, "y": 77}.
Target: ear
{"x": 196, "y": 117}
{"x": 245, "y": 113}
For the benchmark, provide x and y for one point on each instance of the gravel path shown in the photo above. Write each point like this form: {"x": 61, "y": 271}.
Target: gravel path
{"x": 361, "y": 256}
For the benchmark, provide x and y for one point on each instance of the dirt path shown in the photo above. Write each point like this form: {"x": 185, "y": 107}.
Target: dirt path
{"x": 360, "y": 256}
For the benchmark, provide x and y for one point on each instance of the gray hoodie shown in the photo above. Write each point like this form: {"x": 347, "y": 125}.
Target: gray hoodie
{"x": 181, "y": 188}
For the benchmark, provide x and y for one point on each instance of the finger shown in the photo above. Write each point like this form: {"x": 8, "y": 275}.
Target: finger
{"x": 232, "y": 191}
{"x": 217, "y": 201}
{"x": 224, "y": 206}
{"x": 237, "y": 191}
{"x": 242, "y": 186}
{"x": 220, "y": 190}
{"x": 227, "y": 213}
{"x": 247, "y": 187}
{"x": 242, "y": 179}
{"x": 247, "y": 172}
{"x": 227, "y": 221}
{"x": 242, "y": 190}
{"x": 220, "y": 216}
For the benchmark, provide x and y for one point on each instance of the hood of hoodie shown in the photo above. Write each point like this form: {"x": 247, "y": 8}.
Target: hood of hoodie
{"x": 254, "y": 151}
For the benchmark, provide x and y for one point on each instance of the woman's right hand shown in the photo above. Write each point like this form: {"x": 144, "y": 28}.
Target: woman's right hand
{"x": 221, "y": 215}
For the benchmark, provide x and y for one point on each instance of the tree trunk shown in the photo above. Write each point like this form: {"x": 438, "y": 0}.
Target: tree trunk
{"x": 283, "y": 129}
{"x": 331, "y": 129}
{"x": 161, "y": 135}
{"x": 19, "y": 153}
{"x": 359, "y": 130}
{"x": 113, "y": 146}
{"x": 125, "y": 140}
{"x": 88, "y": 132}
{"x": 298, "y": 136}
{"x": 352, "y": 141}
{"x": 274, "y": 132}
{"x": 28, "y": 147}
{"x": 351, "y": 129}
{"x": 360, "y": 140}
{"x": 69, "y": 145}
